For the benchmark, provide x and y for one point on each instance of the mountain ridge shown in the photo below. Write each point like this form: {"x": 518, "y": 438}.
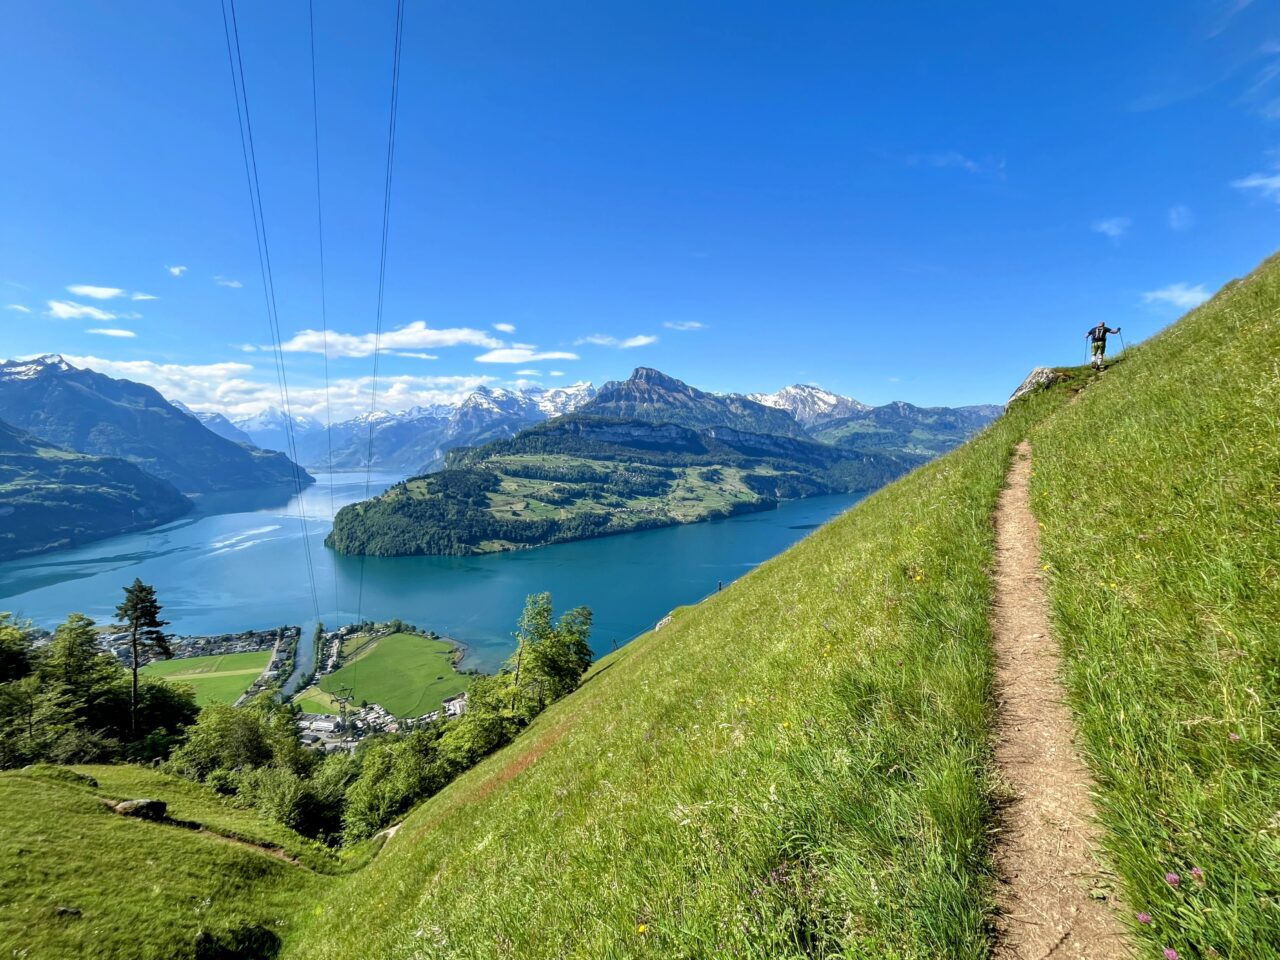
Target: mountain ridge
{"x": 90, "y": 412}
{"x": 51, "y": 498}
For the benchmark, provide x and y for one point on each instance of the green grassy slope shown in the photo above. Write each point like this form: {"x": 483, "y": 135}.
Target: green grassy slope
{"x": 216, "y": 679}
{"x": 1160, "y": 496}
{"x": 796, "y": 767}
{"x": 81, "y": 881}
{"x": 800, "y": 766}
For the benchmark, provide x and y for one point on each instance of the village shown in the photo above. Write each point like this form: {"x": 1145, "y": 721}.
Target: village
{"x": 332, "y": 732}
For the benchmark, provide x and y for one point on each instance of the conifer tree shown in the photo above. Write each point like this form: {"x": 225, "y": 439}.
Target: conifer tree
{"x": 140, "y": 614}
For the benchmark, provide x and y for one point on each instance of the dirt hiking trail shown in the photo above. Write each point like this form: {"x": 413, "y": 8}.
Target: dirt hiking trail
{"x": 1044, "y": 852}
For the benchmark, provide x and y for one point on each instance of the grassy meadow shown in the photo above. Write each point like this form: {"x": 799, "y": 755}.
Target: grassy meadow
{"x": 407, "y": 673}
{"x": 82, "y": 881}
{"x": 216, "y": 679}
{"x": 1159, "y": 493}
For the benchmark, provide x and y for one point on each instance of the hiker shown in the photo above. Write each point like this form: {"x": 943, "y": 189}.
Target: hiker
{"x": 1099, "y": 337}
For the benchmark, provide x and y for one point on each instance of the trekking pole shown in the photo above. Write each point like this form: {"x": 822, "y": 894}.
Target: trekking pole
{"x": 1123, "y": 349}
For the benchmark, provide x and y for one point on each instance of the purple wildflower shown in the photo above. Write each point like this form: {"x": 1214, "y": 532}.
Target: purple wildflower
{"x": 1198, "y": 874}
{"x": 1144, "y": 919}
{"x": 1170, "y": 953}
{"x": 1172, "y": 879}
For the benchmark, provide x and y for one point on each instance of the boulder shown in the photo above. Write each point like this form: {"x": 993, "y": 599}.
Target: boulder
{"x": 143, "y": 809}
{"x": 1037, "y": 379}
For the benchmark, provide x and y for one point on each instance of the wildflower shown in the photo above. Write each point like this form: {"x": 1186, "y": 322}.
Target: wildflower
{"x": 1172, "y": 879}
{"x": 1170, "y": 953}
{"x": 1233, "y": 736}
{"x": 1198, "y": 874}
{"x": 786, "y": 724}
{"x": 1144, "y": 919}
{"x": 641, "y": 928}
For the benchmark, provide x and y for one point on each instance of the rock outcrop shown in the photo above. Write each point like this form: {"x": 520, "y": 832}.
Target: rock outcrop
{"x": 142, "y": 809}
{"x": 1037, "y": 379}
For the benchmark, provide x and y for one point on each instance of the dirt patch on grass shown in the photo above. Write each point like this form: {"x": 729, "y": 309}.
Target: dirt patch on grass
{"x": 1054, "y": 899}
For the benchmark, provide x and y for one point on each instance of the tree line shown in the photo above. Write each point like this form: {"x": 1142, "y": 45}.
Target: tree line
{"x": 69, "y": 701}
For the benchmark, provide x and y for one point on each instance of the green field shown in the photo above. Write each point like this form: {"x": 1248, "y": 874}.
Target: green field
{"x": 216, "y": 679}
{"x": 407, "y": 673}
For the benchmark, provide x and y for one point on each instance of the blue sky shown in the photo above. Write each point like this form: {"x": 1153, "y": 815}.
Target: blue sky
{"x": 896, "y": 201}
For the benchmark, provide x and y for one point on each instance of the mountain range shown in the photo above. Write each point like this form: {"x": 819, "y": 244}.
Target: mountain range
{"x": 418, "y": 440}
{"x": 415, "y": 440}
{"x": 644, "y": 452}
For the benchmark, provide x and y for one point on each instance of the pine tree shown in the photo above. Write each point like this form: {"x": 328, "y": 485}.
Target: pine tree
{"x": 140, "y": 613}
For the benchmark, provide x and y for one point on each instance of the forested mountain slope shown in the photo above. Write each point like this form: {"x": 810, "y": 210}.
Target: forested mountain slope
{"x": 50, "y": 497}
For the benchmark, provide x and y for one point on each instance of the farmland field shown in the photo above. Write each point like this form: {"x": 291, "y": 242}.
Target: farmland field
{"x": 216, "y": 679}
{"x": 407, "y": 673}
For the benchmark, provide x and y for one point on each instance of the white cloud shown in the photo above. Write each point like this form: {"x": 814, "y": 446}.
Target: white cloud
{"x": 600, "y": 340}
{"x": 96, "y": 293}
{"x": 144, "y": 296}
{"x": 1179, "y": 295}
{"x": 18, "y": 307}
{"x": 416, "y": 356}
{"x": 176, "y": 271}
{"x": 1267, "y": 184}
{"x": 70, "y": 310}
{"x": 231, "y": 388}
{"x": 1181, "y": 218}
{"x": 948, "y": 158}
{"x": 683, "y": 325}
{"x": 528, "y": 373}
{"x": 414, "y": 336}
{"x": 225, "y": 282}
{"x": 556, "y": 373}
{"x": 523, "y": 353}
{"x": 505, "y": 327}
{"x": 112, "y": 332}
{"x": 1113, "y": 227}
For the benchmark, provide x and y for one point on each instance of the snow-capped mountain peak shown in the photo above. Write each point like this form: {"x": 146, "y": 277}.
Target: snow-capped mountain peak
{"x": 30, "y": 369}
{"x": 810, "y": 405}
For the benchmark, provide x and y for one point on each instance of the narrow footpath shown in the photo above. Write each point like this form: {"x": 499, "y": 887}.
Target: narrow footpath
{"x": 1048, "y": 907}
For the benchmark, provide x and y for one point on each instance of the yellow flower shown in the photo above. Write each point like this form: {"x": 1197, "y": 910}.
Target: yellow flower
{"x": 919, "y": 577}
{"x": 786, "y": 724}
{"x": 1045, "y": 567}
{"x": 641, "y": 927}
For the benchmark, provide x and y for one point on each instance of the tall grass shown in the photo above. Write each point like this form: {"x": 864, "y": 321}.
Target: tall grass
{"x": 1160, "y": 498}
{"x": 797, "y": 767}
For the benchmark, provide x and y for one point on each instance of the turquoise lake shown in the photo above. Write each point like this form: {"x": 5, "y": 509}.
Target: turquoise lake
{"x": 245, "y": 568}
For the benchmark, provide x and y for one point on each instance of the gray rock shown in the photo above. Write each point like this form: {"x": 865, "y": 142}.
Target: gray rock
{"x": 1037, "y": 379}
{"x": 143, "y": 809}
